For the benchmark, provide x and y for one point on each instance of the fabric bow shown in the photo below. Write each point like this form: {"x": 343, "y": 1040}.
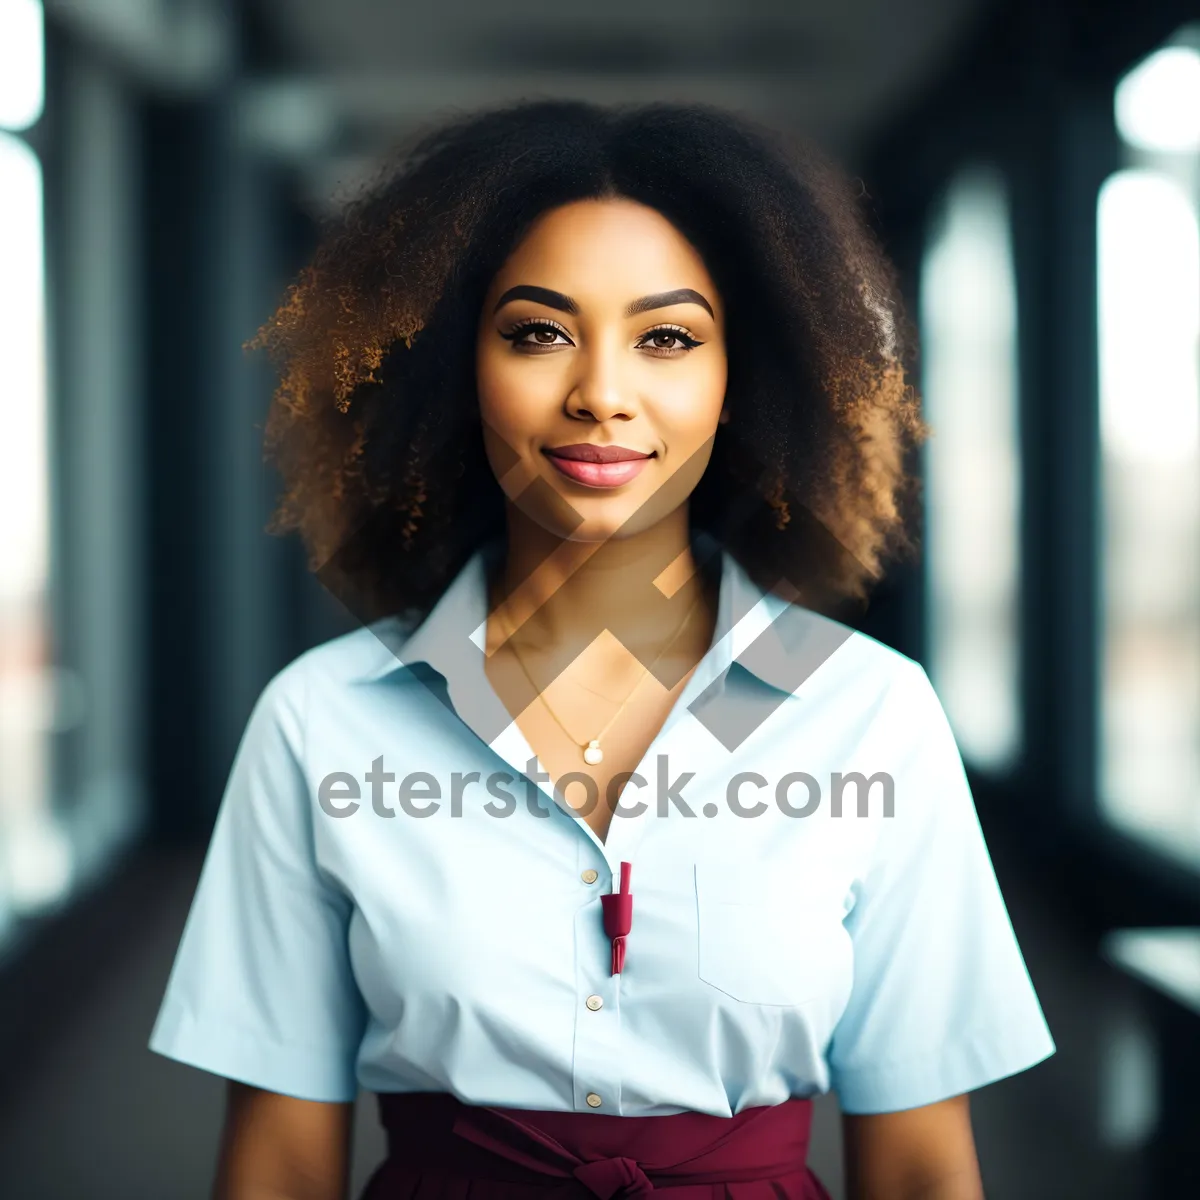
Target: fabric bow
{"x": 517, "y": 1141}
{"x": 614, "y": 1178}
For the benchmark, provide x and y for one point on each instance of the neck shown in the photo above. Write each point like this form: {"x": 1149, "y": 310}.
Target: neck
{"x": 563, "y": 593}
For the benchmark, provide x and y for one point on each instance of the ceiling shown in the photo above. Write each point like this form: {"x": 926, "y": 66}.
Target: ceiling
{"x": 357, "y": 75}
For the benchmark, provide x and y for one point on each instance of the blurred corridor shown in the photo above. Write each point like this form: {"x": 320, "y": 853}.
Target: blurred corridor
{"x": 1034, "y": 172}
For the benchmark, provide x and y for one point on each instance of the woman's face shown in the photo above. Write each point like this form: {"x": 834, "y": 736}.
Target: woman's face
{"x": 601, "y": 338}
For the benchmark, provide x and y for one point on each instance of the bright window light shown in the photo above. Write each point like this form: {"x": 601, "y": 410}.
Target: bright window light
{"x": 1148, "y": 264}
{"x": 972, "y": 467}
{"x": 22, "y": 67}
{"x": 22, "y": 383}
{"x": 1158, "y": 102}
{"x": 34, "y": 852}
{"x": 1149, "y": 295}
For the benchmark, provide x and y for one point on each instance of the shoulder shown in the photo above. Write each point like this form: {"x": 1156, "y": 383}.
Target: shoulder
{"x": 863, "y": 700}
{"x": 901, "y": 683}
{"x": 353, "y": 657}
{"x": 877, "y": 663}
{"x": 804, "y": 648}
{"x": 896, "y": 690}
{"x": 334, "y": 667}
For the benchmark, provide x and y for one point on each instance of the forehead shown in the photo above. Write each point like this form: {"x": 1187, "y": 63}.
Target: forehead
{"x": 599, "y": 249}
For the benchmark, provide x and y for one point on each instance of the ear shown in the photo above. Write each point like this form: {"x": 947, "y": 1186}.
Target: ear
{"x": 723, "y": 419}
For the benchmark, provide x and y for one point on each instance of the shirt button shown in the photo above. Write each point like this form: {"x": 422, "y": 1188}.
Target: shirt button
{"x": 594, "y": 1002}
{"x": 590, "y": 876}
{"x": 593, "y": 1100}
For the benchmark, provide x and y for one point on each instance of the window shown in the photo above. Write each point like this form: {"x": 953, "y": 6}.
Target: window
{"x": 1148, "y": 264}
{"x": 21, "y": 64}
{"x": 34, "y": 857}
{"x": 972, "y": 467}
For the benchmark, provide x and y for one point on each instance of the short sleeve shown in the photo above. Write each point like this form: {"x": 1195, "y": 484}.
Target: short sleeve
{"x": 261, "y": 989}
{"x": 941, "y": 1001}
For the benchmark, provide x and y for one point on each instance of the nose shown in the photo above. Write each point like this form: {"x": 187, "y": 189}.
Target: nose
{"x": 602, "y": 390}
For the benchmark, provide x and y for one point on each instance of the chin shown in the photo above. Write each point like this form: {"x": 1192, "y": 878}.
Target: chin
{"x": 574, "y": 515}
{"x": 601, "y": 523}
{"x": 599, "y": 531}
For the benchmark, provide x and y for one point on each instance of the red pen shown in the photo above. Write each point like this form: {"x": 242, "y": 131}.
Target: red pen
{"x": 618, "y": 918}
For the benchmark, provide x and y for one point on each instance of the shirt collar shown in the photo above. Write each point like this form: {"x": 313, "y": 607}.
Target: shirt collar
{"x": 779, "y": 643}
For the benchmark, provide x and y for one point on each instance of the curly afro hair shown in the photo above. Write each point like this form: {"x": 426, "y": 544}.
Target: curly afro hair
{"x": 375, "y": 427}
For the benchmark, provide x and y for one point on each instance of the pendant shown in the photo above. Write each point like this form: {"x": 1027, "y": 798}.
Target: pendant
{"x": 593, "y": 754}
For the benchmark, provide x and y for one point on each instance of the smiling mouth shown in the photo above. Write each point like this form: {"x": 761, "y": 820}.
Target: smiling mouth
{"x": 598, "y": 466}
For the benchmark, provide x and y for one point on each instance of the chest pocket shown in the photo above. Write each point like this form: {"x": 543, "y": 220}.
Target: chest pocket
{"x": 761, "y": 940}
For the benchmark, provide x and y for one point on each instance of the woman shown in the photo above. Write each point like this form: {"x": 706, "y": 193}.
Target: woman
{"x": 596, "y": 418}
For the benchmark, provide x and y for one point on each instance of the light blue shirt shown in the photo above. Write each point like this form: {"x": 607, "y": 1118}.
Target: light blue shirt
{"x": 456, "y": 943}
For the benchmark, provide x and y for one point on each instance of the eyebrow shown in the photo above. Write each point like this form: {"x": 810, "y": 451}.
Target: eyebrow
{"x": 553, "y": 299}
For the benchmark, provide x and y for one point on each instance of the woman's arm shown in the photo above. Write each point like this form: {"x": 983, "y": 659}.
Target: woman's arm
{"x": 925, "y": 1153}
{"x": 276, "y": 1147}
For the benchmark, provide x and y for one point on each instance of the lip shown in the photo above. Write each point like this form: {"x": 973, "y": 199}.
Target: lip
{"x": 586, "y": 452}
{"x": 598, "y": 466}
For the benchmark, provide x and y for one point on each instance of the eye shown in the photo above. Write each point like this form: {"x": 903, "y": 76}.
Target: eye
{"x": 546, "y": 331}
{"x": 659, "y": 341}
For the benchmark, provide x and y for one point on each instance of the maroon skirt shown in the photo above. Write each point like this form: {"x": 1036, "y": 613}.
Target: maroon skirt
{"x": 442, "y": 1149}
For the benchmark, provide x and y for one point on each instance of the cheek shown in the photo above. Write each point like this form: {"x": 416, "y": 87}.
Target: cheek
{"x": 493, "y": 385}
{"x": 512, "y": 415}
{"x": 688, "y": 403}
{"x": 514, "y": 394}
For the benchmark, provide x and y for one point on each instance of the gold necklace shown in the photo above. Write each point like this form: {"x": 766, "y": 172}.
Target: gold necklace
{"x": 592, "y": 753}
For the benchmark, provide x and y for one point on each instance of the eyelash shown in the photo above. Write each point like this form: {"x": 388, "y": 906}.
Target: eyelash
{"x": 524, "y": 327}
